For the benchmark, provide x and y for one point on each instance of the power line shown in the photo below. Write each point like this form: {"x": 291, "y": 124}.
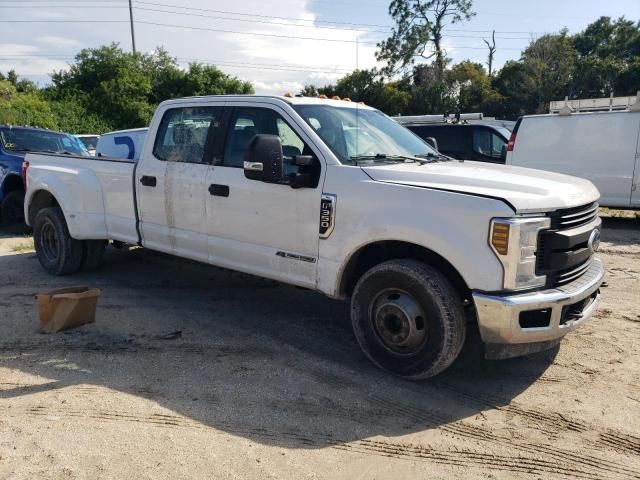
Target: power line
{"x": 227, "y": 12}
{"x": 235, "y": 32}
{"x": 88, "y": 20}
{"x": 253, "y": 66}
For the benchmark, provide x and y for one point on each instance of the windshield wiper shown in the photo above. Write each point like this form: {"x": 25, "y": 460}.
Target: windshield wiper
{"x": 21, "y": 150}
{"x": 63, "y": 152}
{"x": 387, "y": 157}
{"x": 434, "y": 157}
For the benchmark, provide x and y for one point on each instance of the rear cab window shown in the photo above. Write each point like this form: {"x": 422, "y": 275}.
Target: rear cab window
{"x": 187, "y": 134}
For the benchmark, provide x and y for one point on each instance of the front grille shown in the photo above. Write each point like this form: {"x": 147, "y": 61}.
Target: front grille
{"x": 564, "y": 255}
{"x": 574, "y": 217}
{"x": 568, "y": 275}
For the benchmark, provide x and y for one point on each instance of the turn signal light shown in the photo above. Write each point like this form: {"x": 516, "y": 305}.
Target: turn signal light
{"x": 500, "y": 238}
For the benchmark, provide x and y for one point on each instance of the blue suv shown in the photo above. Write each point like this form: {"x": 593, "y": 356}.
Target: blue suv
{"x": 15, "y": 142}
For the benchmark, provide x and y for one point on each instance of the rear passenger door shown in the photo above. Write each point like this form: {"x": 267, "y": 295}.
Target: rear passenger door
{"x": 172, "y": 181}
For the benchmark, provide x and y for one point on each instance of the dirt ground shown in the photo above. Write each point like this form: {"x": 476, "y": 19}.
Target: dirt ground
{"x": 267, "y": 381}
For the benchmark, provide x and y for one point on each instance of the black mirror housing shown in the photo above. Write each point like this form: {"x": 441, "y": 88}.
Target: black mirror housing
{"x": 263, "y": 159}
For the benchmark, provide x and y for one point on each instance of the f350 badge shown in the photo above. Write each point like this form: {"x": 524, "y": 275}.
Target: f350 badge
{"x": 327, "y": 214}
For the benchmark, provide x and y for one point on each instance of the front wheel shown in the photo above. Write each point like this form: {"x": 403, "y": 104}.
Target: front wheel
{"x": 408, "y": 318}
{"x": 58, "y": 253}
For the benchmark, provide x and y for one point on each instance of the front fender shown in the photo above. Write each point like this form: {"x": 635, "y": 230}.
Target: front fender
{"x": 453, "y": 225}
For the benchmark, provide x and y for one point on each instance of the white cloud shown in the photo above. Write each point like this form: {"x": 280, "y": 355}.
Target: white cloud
{"x": 17, "y": 49}
{"x": 59, "y": 42}
{"x": 267, "y": 53}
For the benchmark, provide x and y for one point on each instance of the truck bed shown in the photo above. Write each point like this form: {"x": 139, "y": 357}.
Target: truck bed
{"x": 96, "y": 194}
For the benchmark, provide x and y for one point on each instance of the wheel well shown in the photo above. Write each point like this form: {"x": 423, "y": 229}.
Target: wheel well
{"x": 41, "y": 199}
{"x": 378, "y": 252}
{"x": 12, "y": 183}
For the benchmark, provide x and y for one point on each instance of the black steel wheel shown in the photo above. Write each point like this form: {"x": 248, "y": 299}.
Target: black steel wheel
{"x": 408, "y": 318}
{"x": 58, "y": 253}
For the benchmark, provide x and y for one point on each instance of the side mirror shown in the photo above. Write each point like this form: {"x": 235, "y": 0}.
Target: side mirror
{"x": 433, "y": 142}
{"x": 303, "y": 160}
{"x": 263, "y": 159}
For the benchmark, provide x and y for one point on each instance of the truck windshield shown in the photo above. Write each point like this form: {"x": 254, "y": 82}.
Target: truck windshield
{"x": 34, "y": 140}
{"x": 358, "y": 133}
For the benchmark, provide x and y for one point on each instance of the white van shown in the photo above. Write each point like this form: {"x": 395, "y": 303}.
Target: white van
{"x": 600, "y": 146}
{"x": 122, "y": 143}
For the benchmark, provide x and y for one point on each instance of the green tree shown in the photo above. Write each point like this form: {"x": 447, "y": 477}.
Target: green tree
{"x": 608, "y": 58}
{"x": 20, "y": 108}
{"x": 109, "y": 81}
{"x": 367, "y": 86}
{"x": 124, "y": 88}
{"x": 473, "y": 86}
{"x": 420, "y": 24}
{"x": 204, "y": 79}
{"x": 309, "y": 91}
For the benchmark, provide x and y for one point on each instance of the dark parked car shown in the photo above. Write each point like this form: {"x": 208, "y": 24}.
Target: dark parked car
{"x": 15, "y": 142}
{"x": 484, "y": 143}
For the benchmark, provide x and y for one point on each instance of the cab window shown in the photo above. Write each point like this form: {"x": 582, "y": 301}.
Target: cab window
{"x": 248, "y": 122}
{"x": 185, "y": 134}
{"x": 488, "y": 143}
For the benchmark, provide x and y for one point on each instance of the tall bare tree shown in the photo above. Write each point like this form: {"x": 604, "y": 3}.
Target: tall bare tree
{"x": 419, "y": 25}
{"x": 492, "y": 50}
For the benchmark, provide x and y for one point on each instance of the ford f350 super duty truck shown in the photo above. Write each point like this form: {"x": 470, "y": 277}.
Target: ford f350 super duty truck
{"x": 335, "y": 196}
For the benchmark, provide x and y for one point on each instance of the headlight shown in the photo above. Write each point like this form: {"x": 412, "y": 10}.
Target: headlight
{"x": 515, "y": 241}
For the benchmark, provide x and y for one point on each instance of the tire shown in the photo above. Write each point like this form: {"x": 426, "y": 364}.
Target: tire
{"x": 58, "y": 253}
{"x": 92, "y": 254}
{"x": 13, "y": 208}
{"x": 408, "y": 318}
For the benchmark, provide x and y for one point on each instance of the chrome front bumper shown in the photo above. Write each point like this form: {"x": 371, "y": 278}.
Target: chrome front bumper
{"x": 499, "y": 316}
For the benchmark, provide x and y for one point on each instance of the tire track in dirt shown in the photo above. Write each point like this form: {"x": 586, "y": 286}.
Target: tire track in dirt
{"x": 548, "y": 423}
{"x": 554, "y": 421}
{"x": 462, "y": 429}
{"x": 523, "y": 463}
{"x": 120, "y": 345}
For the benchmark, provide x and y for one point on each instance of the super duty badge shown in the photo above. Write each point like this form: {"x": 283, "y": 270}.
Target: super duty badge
{"x": 327, "y": 214}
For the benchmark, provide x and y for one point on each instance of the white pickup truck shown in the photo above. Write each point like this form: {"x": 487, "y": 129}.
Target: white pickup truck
{"x": 335, "y": 196}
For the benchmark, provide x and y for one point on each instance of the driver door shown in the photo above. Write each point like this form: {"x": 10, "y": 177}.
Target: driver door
{"x": 261, "y": 228}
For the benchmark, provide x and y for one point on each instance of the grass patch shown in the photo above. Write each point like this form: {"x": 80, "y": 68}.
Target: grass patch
{"x": 23, "y": 247}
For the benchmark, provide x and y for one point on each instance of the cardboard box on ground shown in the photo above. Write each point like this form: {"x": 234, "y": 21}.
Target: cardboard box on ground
{"x": 65, "y": 308}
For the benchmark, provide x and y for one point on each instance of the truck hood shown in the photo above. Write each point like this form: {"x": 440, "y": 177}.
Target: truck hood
{"x": 526, "y": 189}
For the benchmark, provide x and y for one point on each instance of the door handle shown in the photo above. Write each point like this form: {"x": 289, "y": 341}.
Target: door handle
{"x": 148, "y": 181}
{"x": 219, "y": 190}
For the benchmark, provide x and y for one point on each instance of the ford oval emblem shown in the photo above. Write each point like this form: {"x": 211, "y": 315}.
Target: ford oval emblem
{"x": 594, "y": 241}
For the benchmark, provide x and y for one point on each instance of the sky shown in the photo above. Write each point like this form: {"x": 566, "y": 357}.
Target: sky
{"x": 278, "y": 45}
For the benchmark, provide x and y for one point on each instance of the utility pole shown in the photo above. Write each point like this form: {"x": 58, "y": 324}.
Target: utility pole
{"x": 133, "y": 33}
